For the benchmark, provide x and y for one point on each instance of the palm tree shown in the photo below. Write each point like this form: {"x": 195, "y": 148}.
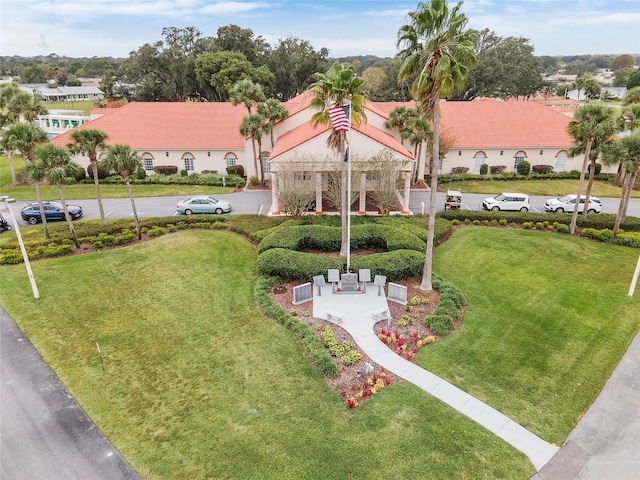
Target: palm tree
{"x": 23, "y": 106}
{"x": 590, "y": 122}
{"x": 250, "y": 94}
{"x": 600, "y": 142}
{"x": 339, "y": 86}
{"x": 9, "y": 151}
{"x": 247, "y": 92}
{"x": 274, "y": 112}
{"x": 439, "y": 52}
{"x": 24, "y": 137}
{"x": 252, "y": 126}
{"x": 399, "y": 117}
{"x": 417, "y": 130}
{"x": 626, "y": 151}
{"x": 54, "y": 164}
{"x": 36, "y": 174}
{"x": 86, "y": 142}
{"x": 123, "y": 160}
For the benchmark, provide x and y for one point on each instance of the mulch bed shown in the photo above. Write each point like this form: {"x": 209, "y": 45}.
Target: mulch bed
{"x": 354, "y": 383}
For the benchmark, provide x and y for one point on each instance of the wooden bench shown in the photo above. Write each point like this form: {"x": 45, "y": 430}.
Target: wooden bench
{"x": 334, "y": 317}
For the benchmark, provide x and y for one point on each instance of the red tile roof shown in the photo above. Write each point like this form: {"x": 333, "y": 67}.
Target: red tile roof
{"x": 171, "y": 126}
{"x": 490, "y": 123}
{"x": 305, "y": 133}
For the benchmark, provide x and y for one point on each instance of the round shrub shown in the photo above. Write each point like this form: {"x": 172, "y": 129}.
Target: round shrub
{"x": 562, "y": 228}
{"x": 484, "y": 168}
{"x": 524, "y": 168}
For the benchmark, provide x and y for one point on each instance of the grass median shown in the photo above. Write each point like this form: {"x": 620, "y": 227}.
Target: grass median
{"x": 548, "y": 319}
{"x": 199, "y": 384}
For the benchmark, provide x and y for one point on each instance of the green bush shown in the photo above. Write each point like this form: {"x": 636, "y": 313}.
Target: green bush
{"x": 562, "y": 228}
{"x": 314, "y": 348}
{"x": 325, "y": 238}
{"x": 524, "y": 168}
{"x": 484, "y": 168}
{"x": 10, "y": 257}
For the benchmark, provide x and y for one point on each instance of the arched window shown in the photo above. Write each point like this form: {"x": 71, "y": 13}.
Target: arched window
{"x": 480, "y": 158}
{"x": 188, "y": 162}
{"x": 147, "y": 162}
{"x": 561, "y": 158}
{"x": 266, "y": 166}
{"x": 231, "y": 159}
{"x": 520, "y": 156}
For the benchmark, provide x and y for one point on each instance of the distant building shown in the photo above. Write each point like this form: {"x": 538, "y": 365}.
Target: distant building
{"x": 62, "y": 94}
{"x": 204, "y": 137}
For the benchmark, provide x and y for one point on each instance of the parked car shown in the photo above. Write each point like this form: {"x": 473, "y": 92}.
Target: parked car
{"x": 52, "y": 211}
{"x": 203, "y": 204}
{"x": 508, "y": 201}
{"x": 568, "y": 204}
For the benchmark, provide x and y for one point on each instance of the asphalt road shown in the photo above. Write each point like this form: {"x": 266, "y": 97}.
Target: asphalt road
{"x": 44, "y": 434}
{"x": 259, "y": 202}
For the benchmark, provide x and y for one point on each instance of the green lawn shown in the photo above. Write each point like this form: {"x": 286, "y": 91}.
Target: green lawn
{"x": 199, "y": 384}
{"x": 552, "y": 188}
{"x": 548, "y": 319}
{"x": 85, "y": 105}
{"x": 88, "y": 190}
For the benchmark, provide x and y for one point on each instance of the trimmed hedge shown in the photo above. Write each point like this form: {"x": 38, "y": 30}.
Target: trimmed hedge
{"x": 312, "y": 345}
{"x": 291, "y": 265}
{"x": 598, "y": 221}
{"x": 449, "y": 307}
{"x": 328, "y": 239}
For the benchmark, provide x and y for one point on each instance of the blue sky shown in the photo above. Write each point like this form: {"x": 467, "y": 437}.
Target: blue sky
{"x": 89, "y": 28}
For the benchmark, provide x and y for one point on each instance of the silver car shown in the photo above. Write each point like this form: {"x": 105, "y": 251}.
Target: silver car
{"x": 203, "y": 204}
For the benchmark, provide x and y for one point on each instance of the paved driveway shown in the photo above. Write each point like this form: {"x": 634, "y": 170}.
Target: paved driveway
{"x": 44, "y": 434}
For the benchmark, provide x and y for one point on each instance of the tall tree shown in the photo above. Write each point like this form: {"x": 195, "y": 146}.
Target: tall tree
{"x": 274, "y": 112}
{"x": 339, "y": 86}
{"x": 54, "y": 164}
{"x": 247, "y": 92}
{"x": 165, "y": 70}
{"x": 418, "y": 132}
{"x": 598, "y": 144}
{"x": 25, "y": 137}
{"x": 625, "y": 150}
{"x": 590, "y": 122}
{"x": 121, "y": 159}
{"x": 506, "y": 68}
{"x": 232, "y": 38}
{"x": 400, "y": 117}
{"x": 25, "y": 107}
{"x": 438, "y": 50}
{"x": 87, "y": 142}
{"x": 294, "y": 62}
{"x": 218, "y": 72}
{"x": 252, "y": 126}
{"x": 633, "y": 96}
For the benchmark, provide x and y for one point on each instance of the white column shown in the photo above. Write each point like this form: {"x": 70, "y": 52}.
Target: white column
{"x": 407, "y": 190}
{"x": 362, "y": 209}
{"x": 275, "y": 205}
{"x": 319, "y": 193}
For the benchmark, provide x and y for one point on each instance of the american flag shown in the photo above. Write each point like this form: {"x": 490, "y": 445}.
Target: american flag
{"x": 339, "y": 120}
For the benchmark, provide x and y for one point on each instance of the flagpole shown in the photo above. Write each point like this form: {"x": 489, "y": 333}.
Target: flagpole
{"x": 349, "y": 192}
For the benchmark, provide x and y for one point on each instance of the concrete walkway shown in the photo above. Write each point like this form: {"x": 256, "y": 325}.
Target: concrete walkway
{"x": 356, "y": 313}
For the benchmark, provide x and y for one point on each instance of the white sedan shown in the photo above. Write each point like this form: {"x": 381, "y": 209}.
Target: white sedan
{"x": 203, "y": 204}
{"x": 568, "y": 204}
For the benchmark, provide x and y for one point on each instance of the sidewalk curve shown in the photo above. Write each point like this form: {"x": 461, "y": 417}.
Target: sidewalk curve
{"x": 356, "y": 312}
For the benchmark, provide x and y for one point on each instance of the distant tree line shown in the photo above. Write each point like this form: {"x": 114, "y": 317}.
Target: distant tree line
{"x": 187, "y": 66}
